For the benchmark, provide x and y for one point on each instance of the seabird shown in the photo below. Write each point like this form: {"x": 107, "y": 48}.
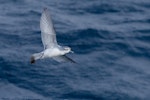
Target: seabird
{"x": 51, "y": 47}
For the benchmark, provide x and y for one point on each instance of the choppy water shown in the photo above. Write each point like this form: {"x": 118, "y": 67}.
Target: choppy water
{"x": 111, "y": 40}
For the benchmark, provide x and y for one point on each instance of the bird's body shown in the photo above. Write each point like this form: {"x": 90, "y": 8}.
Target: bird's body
{"x": 52, "y": 52}
{"x": 51, "y": 48}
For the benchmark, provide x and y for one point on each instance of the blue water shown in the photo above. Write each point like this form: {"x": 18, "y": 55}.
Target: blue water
{"x": 110, "y": 38}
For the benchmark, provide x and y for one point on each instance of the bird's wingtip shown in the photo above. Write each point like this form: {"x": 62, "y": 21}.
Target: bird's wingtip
{"x": 74, "y": 62}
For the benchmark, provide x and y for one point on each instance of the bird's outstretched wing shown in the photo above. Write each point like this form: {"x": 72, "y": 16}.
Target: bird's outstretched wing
{"x": 48, "y": 34}
{"x": 63, "y": 58}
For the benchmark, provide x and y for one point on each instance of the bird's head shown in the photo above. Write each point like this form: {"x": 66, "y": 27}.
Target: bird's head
{"x": 68, "y": 49}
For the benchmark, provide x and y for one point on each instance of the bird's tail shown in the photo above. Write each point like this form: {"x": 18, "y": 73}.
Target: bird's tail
{"x": 36, "y": 56}
{"x": 32, "y": 60}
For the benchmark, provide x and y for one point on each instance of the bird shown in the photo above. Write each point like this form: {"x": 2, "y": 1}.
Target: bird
{"x": 51, "y": 48}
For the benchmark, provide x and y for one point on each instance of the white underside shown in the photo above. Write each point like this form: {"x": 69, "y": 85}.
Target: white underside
{"x": 52, "y": 52}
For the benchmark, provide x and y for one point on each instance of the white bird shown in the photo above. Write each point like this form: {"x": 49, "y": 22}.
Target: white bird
{"x": 51, "y": 48}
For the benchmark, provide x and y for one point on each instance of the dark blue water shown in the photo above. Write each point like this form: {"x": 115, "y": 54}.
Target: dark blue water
{"x": 110, "y": 38}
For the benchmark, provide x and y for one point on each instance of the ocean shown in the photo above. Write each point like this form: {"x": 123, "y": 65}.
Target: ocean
{"x": 110, "y": 38}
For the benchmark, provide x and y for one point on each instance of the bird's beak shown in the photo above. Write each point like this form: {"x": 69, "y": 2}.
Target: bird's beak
{"x": 72, "y": 51}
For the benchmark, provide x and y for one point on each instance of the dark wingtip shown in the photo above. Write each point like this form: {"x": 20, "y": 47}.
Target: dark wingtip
{"x": 32, "y": 60}
{"x": 72, "y": 61}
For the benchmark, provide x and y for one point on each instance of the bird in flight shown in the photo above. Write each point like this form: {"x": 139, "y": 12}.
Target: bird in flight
{"x": 51, "y": 47}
